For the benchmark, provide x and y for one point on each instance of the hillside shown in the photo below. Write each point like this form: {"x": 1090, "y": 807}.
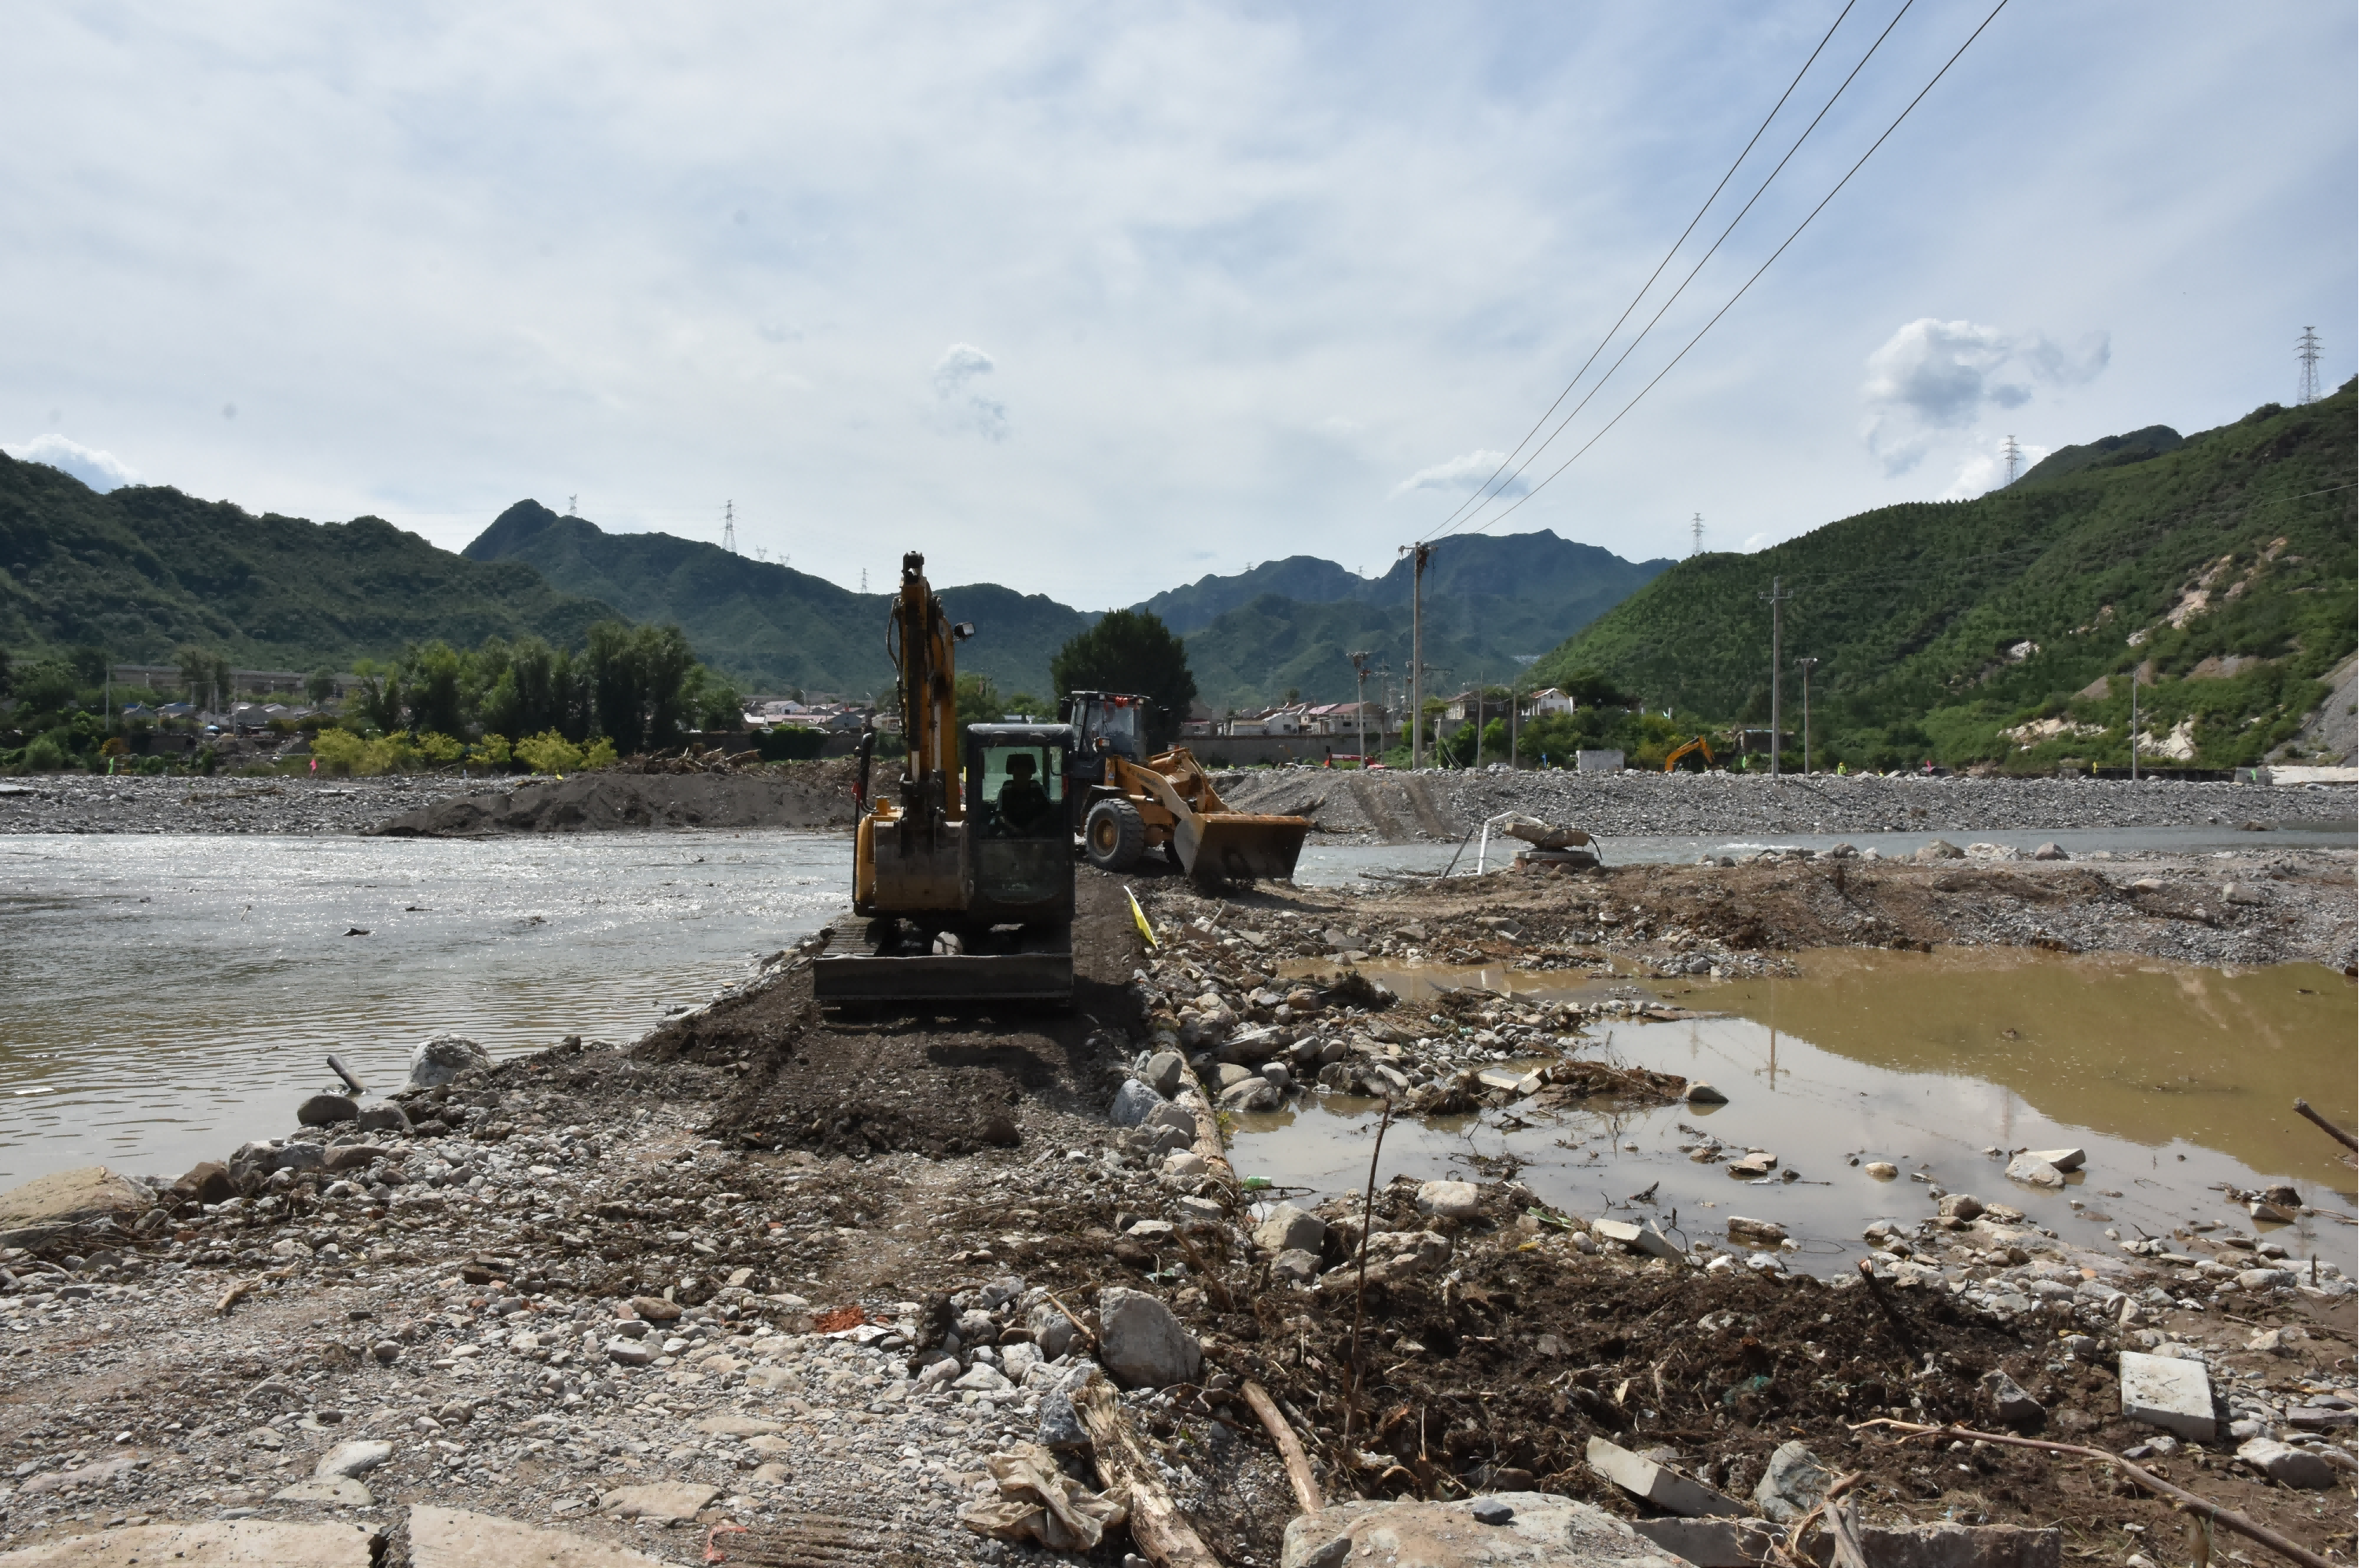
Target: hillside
{"x": 2222, "y": 566}
{"x": 145, "y": 570}
{"x": 768, "y": 625}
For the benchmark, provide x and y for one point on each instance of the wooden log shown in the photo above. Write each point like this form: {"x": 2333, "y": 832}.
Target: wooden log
{"x": 2302, "y": 1108}
{"x": 1207, "y": 1146}
{"x": 1289, "y": 1447}
{"x": 1162, "y": 1533}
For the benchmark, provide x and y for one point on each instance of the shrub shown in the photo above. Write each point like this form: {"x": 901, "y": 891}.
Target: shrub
{"x": 600, "y": 755}
{"x": 492, "y": 751}
{"x": 340, "y": 752}
{"x": 550, "y": 752}
{"x": 44, "y": 756}
{"x": 440, "y": 749}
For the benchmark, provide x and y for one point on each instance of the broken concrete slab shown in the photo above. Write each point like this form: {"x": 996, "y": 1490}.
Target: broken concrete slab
{"x": 2164, "y": 1391}
{"x": 659, "y": 1500}
{"x": 455, "y": 1538}
{"x": 1659, "y": 1484}
{"x": 2286, "y": 1465}
{"x": 1713, "y": 1542}
{"x": 2066, "y": 1159}
{"x": 2033, "y": 1172}
{"x": 1757, "y": 1232}
{"x": 1541, "y": 1531}
{"x": 207, "y": 1543}
{"x": 1637, "y": 1237}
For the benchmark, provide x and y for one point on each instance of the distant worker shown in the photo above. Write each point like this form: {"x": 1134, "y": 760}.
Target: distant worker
{"x": 1841, "y": 769}
{"x": 1023, "y": 805}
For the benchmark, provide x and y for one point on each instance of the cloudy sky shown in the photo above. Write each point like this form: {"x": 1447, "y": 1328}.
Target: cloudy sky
{"x": 1093, "y": 299}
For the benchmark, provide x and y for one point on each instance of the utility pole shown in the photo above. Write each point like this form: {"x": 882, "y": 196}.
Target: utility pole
{"x": 1360, "y": 672}
{"x": 2014, "y": 455}
{"x": 1775, "y": 598}
{"x": 1477, "y": 763}
{"x": 1515, "y": 713}
{"x": 1695, "y": 537}
{"x": 1806, "y": 666}
{"x": 729, "y": 526}
{"x": 2306, "y": 350}
{"x": 2134, "y": 722}
{"x": 1418, "y": 555}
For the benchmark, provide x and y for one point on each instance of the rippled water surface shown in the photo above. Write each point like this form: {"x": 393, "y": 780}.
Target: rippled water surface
{"x": 163, "y": 1000}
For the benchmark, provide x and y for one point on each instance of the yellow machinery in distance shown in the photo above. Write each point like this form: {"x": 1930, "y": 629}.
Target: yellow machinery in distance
{"x": 962, "y": 875}
{"x": 1129, "y": 803}
{"x": 1671, "y": 763}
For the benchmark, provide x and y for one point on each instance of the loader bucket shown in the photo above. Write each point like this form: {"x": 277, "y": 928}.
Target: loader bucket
{"x": 1230, "y": 846}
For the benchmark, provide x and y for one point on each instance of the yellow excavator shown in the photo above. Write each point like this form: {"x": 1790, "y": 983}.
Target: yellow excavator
{"x": 1127, "y": 802}
{"x": 1671, "y": 763}
{"x": 963, "y": 876}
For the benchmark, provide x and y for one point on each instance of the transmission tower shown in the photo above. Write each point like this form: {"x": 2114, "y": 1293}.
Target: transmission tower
{"x": 729, "y": 526}
{"x": 570, "y": 500}
{"x": 1695, "y": 536}
{"x": 2014, "y": 455}
{"x": 2306, "y": 350}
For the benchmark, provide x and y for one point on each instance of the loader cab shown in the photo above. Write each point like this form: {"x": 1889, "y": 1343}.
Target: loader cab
{"x": 1103, "y": 721}
{"x": 1019, "y": 862}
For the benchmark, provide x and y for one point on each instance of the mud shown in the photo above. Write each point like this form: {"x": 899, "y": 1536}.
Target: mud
{"x": 803, "y": 795}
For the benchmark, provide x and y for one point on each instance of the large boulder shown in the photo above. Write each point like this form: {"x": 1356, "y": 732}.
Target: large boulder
{"x": 1792, "y": 1485}
{"x": 1450, "y": 1200}
{"x": 1503, "y": 1529}
{"x": 1289, "y": 1229}
{"x": 1142, "y": 1346}
{"x": 438, "y": 1060}
{"x": 69, "y": 1198}
{"x": 1132, "y": 1103}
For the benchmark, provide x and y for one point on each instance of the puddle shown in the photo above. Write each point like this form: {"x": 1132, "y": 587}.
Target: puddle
{"x": 2176, "y": 1079}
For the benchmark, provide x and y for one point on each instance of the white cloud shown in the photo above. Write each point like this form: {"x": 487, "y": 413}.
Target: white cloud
{"x": 957, "y": 376}
{"x": 1760, "y": 541}
{"x": 1932, "y": 376}
{"x": 1986, "y": 471}
{"x": 1464, "y": 475}
{"x": 99, "y": 470}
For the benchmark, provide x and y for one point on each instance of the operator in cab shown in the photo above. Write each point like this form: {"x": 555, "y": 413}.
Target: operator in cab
{"x": 1024, "y": 806}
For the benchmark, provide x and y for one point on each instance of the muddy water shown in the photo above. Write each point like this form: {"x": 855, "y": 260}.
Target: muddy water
{"x": 2175, "y": 1079}
{"x": 163, "y": 1000}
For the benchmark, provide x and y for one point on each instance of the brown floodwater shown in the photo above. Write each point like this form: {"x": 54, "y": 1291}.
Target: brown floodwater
{"x": 2178, "y": 1080}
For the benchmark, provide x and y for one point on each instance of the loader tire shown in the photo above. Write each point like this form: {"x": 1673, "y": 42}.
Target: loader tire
{"x": 1113, "y": 836}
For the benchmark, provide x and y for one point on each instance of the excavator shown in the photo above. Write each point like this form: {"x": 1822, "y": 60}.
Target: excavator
{"x": 1671, "y": 763}
{"x": 1126, "y": 803}
{"x": 962, "y": 875}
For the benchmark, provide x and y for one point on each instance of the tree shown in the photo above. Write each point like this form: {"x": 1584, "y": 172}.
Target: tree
{"x": 639, "y": 682}
{"x": 4, "y": 672}
{"x": 1131, "y": 651}
{"x": 437, "y": 676}
{"x": 319, "y": 686}
{"x": 205, "y": 674}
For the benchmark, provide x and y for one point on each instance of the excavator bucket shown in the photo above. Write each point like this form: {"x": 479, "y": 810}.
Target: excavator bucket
{"x": 861, "y": 965}
{"x": 1235, "y": 847}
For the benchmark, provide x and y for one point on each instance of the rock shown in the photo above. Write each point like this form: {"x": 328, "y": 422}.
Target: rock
{"x": 69, "y": 1197}
{"x": 386, "y": 1351}
{"x": 1755, "y": 1164}
{"x": 207, "y": 1543}
{"x": 327, "y": 1110}
{"x": 454, "y": 1538}
{"x": 1141, "y": 1345}
{"x": 1491, "y": 1511}
{"x": 1052, "y": 1331}
{"x": 1539, "y": 1530}
{"x": 2062, "y": 1158}
{"x": 1060, "y": 1425}
{"x": 1941, "y": 849}
{"x": 1881, "y": 1170}
{"x": 1290, "y": 1229}
{"x": 1702, "y": 1093}
{"x": 739, "y": 1426}
{"x": 655, "y": 1309}
{"x": 1961, "y": 1206}
{"x": 2164, "y": 1391}
{"x": 1254, "y": 1092}
{"x": 1792, "y": 1485}
{"x": 2033, "y": 1172}
{"x": 659, "y": 1500}
{"x": 1637, "y": 1237}
{"x": 2265, "y": 1278}
{"x": 2050, "y": 851}
{"x": 334, "y": 1491}
{"x": 1178, "y": 1119}
{"x": 1294, "y": 1268}
{"x": 1757, "y": 1232}
{"x": 1165, "y": 1071}
{"x": 1183, "y": 1165}
{"x": 436, "y": 1061}
{"x": 2014, "y": 1405}
{"x": 1450, "y": 1200}
{"x": 386, "y": 1117}
{"x": 1132, "y": 1103}
{"x": 1714, "y": 1542}
{"x": 629, "y": 1352}
{"x": 1204, "y": 1210}
{"x": 352, "y": 1458}
{"x": 209, "y": 1182}
{"x": 2286, "y": 1465}
{"x": 982, "y": 1378}
{"x": 1229, "y": 1074}
{"x": 1659, "y": 1484}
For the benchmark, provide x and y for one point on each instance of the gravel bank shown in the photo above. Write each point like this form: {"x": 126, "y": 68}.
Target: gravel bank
{"x": 1394, "y": 807}
{"x": 86, "y": 804}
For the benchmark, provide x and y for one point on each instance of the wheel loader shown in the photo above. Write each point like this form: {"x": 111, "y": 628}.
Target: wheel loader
{"x": 1126, "y": 803}
{"x": 962, "y": 875}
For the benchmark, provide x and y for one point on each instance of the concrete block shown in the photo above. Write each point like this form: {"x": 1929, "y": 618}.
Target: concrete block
{"x": 206, "y": 1543}
{"x": 2170, "y": 1393}
{"x": 1641, "y": 1237}
{"x": 1713, "y": 1543}
{"x": 2062, "y": 1158}
{"x": 1659, "y": 1484}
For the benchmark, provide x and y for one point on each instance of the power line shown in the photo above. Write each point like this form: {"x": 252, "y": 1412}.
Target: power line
{"x": 1758, "y": 132}
{"x": 1697, "y": 269}
{"x": 1765, "y": 267}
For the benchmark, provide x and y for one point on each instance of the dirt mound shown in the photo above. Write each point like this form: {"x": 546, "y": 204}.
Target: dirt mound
{"x": 789, "y": 795}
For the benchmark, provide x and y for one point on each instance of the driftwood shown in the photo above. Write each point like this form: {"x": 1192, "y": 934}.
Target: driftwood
{"x": 2302, "y": 1108}
{"x": 2180, "y": 1498}
{"x": 1207, "y": 1146}
{"x": 1161, "y": 1534}
{"x": 1289, "y": 1448}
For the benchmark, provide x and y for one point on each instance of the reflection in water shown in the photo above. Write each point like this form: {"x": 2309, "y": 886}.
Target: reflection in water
{"x": 165, "y": 999}
{"x": 2175, "y": 1080}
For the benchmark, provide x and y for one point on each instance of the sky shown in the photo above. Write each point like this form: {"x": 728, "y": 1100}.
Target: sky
{"x": 1095, "y": 299}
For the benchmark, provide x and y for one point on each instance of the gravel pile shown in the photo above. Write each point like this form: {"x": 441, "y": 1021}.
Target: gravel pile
{"x": 86, "y": 804}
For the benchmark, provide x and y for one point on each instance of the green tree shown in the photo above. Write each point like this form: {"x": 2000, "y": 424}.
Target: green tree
{"x": 4, "y": 672}
{"x": 639, "y": 683}
{"x": 204, "y": 673}
{"x": 319, "y": 686}
{"x": 376, "y": 700}
{"x": 90, "y": 665}
{"x": 1131, "y": 651}
{"x": 436, "y": 682}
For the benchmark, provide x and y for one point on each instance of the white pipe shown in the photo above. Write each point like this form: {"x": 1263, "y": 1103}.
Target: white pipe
{"x": 1483, "y": 849}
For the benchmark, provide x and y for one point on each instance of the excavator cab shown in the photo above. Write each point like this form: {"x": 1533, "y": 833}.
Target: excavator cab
{"x": 1019, "y": 862}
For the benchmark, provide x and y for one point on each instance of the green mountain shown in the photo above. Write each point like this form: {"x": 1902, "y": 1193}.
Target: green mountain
{"x": 2220, "y": 567}
{"x": 769, "y": 626}
{"x": 144, "y": 570}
